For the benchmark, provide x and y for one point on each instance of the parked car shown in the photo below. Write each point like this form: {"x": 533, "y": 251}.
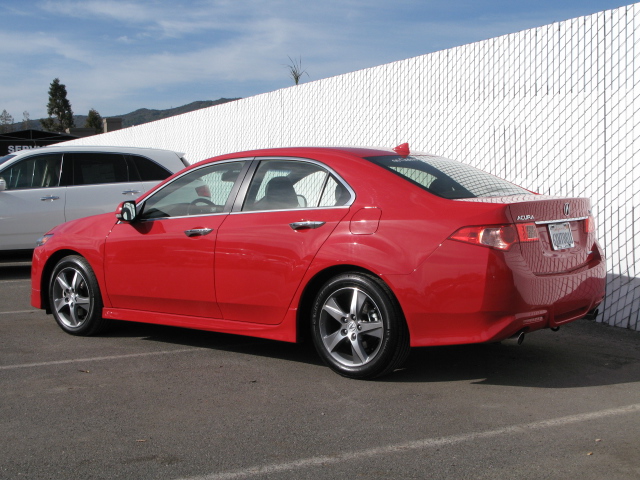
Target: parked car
{"x": 43, "y": 187}
{"x": 370, "y": 251}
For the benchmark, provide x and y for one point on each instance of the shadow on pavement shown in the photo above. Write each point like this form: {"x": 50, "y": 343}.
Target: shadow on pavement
{"x": 15, "y": 271}
{"x": 581, "y": 354}
{"x": 302, "y": 352}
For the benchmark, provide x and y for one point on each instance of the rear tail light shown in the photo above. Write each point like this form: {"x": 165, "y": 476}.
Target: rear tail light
{"x": 494, "y": 236}
{"x": 589, "y": 224}
{"x": 501, "y": 237}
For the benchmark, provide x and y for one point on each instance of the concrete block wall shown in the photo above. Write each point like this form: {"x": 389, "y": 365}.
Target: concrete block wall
{"x": 555, "y": 109}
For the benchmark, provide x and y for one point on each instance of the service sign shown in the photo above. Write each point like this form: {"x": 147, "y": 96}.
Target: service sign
{"x": 19, "y": 148}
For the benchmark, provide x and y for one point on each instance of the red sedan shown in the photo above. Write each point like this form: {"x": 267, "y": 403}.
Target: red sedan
{"x": 370, "y": 251}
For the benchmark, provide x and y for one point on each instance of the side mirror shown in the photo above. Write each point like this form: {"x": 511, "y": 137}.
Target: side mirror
{"x": 3, "y": 184}
{"x": 126, "y": 211}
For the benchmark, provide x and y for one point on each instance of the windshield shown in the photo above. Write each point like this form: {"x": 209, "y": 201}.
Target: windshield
{"x": 447, "y": 178}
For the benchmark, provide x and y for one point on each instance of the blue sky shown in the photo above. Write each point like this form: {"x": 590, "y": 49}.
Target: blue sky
{"x": 120, "y": 55}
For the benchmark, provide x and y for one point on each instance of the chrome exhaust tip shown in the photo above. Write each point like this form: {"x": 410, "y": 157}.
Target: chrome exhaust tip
{"x": 518, "y": 338}
{"x": 592, "y": 315}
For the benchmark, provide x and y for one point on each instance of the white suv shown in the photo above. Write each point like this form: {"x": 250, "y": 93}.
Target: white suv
{"x": 44, "y": 187}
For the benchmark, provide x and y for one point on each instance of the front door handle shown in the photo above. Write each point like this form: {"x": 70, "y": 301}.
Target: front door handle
{"x": 131, "y": 192}
{"x": 198, "y": 232}
{"x": 304, "y": 225}
{"x": 50, "y": 198}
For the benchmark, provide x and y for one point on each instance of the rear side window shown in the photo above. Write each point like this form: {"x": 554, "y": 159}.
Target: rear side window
{"x": 285, "y": 185}
{"x": 96, "y": 168}
{"x": 447, "y": 178}
{"x": 146, "y": 170}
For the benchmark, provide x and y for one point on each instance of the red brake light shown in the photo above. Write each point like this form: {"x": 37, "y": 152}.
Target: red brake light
{"x": 494, "y": 236}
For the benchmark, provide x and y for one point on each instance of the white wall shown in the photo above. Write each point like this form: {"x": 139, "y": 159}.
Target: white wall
{"x": 555, "y": 109}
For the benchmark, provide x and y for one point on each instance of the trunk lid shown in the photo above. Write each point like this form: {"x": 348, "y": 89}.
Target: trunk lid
{"x": 564, "y": 244}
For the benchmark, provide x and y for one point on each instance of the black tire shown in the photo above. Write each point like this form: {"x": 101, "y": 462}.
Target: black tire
{"x": 358, "y": 327}
{"x": 74, "y": 297}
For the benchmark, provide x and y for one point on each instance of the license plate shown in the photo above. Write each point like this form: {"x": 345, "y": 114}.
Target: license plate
{"x": 561, "y": 236}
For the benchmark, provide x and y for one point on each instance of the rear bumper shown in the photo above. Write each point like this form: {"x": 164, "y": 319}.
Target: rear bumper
{"x": 469, "y": 294}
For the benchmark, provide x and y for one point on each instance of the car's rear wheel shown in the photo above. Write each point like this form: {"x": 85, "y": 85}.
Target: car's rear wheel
{"x": 358, "y": 327}
{"x": 74, "y": 297}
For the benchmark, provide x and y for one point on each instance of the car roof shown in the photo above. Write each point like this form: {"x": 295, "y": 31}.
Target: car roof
{"x": 94, "y": 148}
{"x": 302, "y": 151}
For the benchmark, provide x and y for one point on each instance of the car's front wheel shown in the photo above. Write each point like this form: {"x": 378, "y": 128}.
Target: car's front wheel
{"x": 74, "y": 297}
{"x": 358, "y": 327}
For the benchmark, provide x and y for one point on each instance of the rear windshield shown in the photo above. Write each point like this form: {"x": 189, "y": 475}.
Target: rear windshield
{"x": 447, "y": 178}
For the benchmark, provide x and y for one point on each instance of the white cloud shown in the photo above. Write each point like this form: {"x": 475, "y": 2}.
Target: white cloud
{"x": 117, "y": 10}
{"x": 41, "y": 43}
{"x": 164, "y": 19}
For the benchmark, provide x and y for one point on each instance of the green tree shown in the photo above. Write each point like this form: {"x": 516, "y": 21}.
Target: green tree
{"x": 6, "y": 122}
{"x": 94, "y": 120}
{"x": 59, "y": 107}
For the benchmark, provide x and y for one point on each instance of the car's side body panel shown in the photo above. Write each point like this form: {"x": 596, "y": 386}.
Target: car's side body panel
{"x": 26, "y": 214}
{"x": 284, "y": 331}
{"x": 261, "y": 259}
{"x": 154, "y": 266}
{"x": 87, "y": 200}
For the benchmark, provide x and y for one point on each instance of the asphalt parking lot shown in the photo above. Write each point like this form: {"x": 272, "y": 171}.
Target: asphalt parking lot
{"x": 151, "y": 402}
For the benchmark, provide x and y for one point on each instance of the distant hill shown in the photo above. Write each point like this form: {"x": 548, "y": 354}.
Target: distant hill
{"x": 145, "y": 115}
{"x": 140, "y": 116}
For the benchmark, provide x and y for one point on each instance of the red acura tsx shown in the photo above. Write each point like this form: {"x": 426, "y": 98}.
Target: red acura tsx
{"x": 370, "y": 251}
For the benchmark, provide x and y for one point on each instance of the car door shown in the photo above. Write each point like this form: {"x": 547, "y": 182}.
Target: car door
{"x": 265, "y": 247}
{"x": 164, "y": 261}
{"x": 99, "y": 182}
{"x": 33, "y": 201}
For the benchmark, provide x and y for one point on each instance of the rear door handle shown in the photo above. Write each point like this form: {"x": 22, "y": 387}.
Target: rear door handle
{"x": 306, "y": 225}
{"x": 198, "y": 232}
{"x": 50, "y": 198}
{"x": 131, "y": 192}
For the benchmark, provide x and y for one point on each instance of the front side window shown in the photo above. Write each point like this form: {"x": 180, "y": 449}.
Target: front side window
{"x": 447, "y": 178}
{"x": 40, "y": 171}
{"x": 284, "y": 185}
{"x": 200, "y": 192}
{"x": 96, "y": 168}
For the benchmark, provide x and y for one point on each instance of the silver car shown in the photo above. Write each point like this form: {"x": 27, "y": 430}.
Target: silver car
{"x": 44, "y": 187}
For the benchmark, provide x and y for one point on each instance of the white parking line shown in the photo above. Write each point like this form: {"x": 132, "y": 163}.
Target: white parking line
{"x": 16, "y": 281}
{"x": 114, "y": 357}
{"x": 95, "y": 359}
{"x": 415, "y": 445}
